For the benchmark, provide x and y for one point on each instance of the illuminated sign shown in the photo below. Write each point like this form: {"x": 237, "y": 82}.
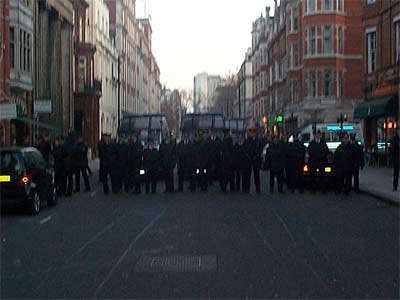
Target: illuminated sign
{"x": 337, "y": 127}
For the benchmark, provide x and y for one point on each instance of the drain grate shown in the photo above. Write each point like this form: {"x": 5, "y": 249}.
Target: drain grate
{"x": 176, "y": 263}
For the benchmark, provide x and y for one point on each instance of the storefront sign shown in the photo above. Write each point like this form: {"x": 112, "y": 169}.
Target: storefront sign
{"x": 42, "y": 107}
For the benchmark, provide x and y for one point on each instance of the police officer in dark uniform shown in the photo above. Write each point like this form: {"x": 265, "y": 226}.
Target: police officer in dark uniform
{"x": 295, "y": 155}
{"x": 343, "y": 161}
{"x": 276, "y": 163}
{"x": 253, "y": 150}
{"x": 213, "y": 143}
{"x": 150, "y": 165}
{"x": 318, "y": 156}
{"x": 395, "y": 150}
{"x": 100, "y": 148}
{"x": 105, "y": 161}
{"x": 239, "y": 159}
{"x": 69, "y": 161}
{"x": 81, "y": 162}
{"x": 123, "y": 154}
{"x": 135, "y": 162}
{"x": 115, "y": 167}
{"x": 45, "y": 148}
{"x": 168, "y": 161}
{"x": 358, "y": 162}
{"x": 199, "y": 163}
{"x": 59, "y": 155}
{"x": 227, "y": 163}
{"x": 184, "y": 157}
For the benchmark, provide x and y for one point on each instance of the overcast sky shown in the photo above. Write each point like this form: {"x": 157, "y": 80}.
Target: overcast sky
{"x": 194, "y": 36}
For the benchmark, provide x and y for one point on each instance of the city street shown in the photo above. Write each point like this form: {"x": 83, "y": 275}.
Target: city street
{"x": 202, "y": 245}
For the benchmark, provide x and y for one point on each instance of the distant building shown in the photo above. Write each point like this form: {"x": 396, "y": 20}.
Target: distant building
{"x": 203, "y": 91}
{"x": 243, "y": 107}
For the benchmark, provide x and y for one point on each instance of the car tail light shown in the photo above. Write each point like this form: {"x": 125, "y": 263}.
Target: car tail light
{"x": 306, "y": 169}
{"x": 24, "y": 179}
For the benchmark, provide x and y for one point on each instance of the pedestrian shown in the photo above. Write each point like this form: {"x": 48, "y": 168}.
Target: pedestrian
{"x": 253, "y": 149}
{"x": 45, "y": 147}
{"x": 358, "y": 162}
{"x": 318, "y": 156}
{"x": 239, "y": 159}
{"x": 168, "y": 161}
{"x": 123, "y": 154}
{"x": 150, "y": 166}
{"x": 100, "y": 147}
{"x": 115, "y": 172}
{"x": 343, "y": 161}
{"x": 199, "y": 163}
{"x": 184, "y": 157}
{"x": 213, "y": 143}
{"x": 81, "y": 162}
{"x": 295, "y": 156}
{"x": 394, "y": 149}
{"x": 135, "y": 162}
{"x": 227, "y": 163}
{"x": 105, "y": 162}
{"x": 276, "y": 163}
{"x": 59, "y": 155}
{"x": 69, "y": 161}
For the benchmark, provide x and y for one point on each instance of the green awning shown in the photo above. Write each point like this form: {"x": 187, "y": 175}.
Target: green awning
{"x": 38, "y": 124}
{"x": 379, "y": 107}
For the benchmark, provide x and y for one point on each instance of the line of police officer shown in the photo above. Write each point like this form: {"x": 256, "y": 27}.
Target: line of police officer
{"x": 208, "y": 159}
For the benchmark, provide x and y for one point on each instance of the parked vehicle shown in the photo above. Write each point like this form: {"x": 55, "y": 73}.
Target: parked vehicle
{"x": 236, "y": 126}
{"x": 25, "y": 179}
{"x": 203, "y": 121}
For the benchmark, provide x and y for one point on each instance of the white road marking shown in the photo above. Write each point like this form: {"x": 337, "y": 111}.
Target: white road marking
{"x": 286, "y": 228}
{"x": 261, "y": 236}
{"x": 120, "y": 260}
{"x": 45, "y": 220}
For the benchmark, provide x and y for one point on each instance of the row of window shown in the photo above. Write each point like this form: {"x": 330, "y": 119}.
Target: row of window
{"x": 21, "y": 41}
{"x": 371, "y": 46}
{"x": 312, "y": 6}
{"x": 328, "y": 32}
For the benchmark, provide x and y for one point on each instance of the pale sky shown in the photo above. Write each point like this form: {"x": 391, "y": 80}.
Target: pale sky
{"x": 194, "y": 36}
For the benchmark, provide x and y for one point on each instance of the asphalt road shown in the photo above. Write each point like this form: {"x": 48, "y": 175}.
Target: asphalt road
{"x": 203, "y": 245}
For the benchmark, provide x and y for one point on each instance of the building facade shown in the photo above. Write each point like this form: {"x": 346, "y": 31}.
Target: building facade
{"x": 307, "y": 61}
{"x": 5, "y": 132}
{"x": 105, "y": 65}
{"x": 87, "y": 89}
{"x": 381, "y": 42}
{"x": 203, "y": 91}
{"x": 53, "y": 60}
{"x": 243, "y": 107}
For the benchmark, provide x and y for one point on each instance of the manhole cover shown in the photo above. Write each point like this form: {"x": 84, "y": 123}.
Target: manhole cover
{"x": 176, "y": 263}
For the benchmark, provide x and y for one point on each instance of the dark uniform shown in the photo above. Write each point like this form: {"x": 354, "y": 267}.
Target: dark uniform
{"x": 135, "y": 163}
{"x": 168, "y": 162}
{"x": 395, "y": 149}
{"x": 184, "y": 158}
{"x": 60, "y": 154}
{"x": 123, "y": 155}
{"x": 227, "y": 165}
{"x": 105, "y": 163}
{"x": 115, "y": 167}
{"x": 81, "y": 162}
{"x": 295, "y": 155}
{"x": 213, "y": 144}
{"x": 199, "y": 165}
{"x": 343, "y": 159}
{"x": 318, "y": 156}
{"x": 253, "y": 150}
{"x": 69, "y": 161}
{"x": 45, "y": 148}
{"x": 239, "y": 162}
{"x": 151, "y": 161}
{"x": 358, "y": 162}
{"x": 276, "y": 165}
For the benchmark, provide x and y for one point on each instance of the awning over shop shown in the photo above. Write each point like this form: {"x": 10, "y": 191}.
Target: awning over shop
{"x": 380, "y": 107}
{"x": 38, "y": 124}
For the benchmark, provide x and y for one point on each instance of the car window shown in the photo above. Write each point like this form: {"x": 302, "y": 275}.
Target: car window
{"x": 11, "y": 162}
{"x": 29, "y": 160}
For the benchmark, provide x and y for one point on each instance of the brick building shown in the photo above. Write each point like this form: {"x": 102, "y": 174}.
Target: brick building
{"x": 381, "y": 43}
{"x": 4, "y": 68}
{"x": 307, "y": 61}
{"x": 87, "y": 89}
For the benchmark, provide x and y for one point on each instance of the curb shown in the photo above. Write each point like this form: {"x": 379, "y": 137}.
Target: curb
{"x": 381, "y": 198}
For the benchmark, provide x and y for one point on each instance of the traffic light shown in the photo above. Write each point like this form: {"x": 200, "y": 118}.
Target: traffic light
{"x": 264, "y": 119}
{"x": 279, "y": 119}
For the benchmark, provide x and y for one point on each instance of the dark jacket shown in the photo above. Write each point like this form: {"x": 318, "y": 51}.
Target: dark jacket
{"x": 80, "y": 155}
{"x": 59, "y": 154}
{"x": 105, "y": 156}
{"x": 135, "y": 156}
{"x": 168, "y": 155}
{"x": 151, "y": 162}
{"x": 343, "y": 158}
{"x": 395, "y": 150}
{"x": 227, "y": 154}
{"x": 199, "y": 155}
{"x": 123, "y": 154}
{"x": 45, "y": 149}
{"x": 358, "y": 156}
{"x": 184, "y": 155}
{"x": 253, "y": 149}
{"x": 295, "y": 153}
{"x": 240, "y": 159}
{"x": 276, "y": 157}
{"x": 318, "y": 152}
{"x": 214, "y": 151}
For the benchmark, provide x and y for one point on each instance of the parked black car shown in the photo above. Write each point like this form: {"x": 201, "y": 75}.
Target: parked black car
{"x": 25, "y": 179}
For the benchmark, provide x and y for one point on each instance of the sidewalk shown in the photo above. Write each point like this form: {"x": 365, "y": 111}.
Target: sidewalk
{"x": 378, "y": 182}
